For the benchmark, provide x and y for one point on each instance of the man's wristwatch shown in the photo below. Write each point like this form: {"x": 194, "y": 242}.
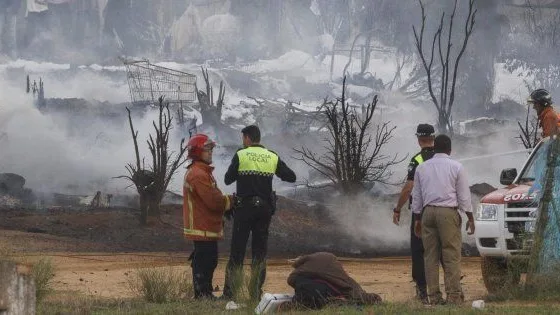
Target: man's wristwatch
{"x": 396, "y": 211}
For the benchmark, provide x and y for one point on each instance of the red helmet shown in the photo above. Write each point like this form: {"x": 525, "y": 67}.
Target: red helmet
{"x": 197, "y": 144}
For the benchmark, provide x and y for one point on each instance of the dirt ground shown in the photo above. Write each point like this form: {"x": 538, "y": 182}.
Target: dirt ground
{"x": 107, "y": 274}
{"x": 95, "y": 252}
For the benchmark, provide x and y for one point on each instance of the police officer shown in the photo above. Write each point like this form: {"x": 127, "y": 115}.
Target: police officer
{"x": 253, "y": 169}
{"x": 425, "y": 135}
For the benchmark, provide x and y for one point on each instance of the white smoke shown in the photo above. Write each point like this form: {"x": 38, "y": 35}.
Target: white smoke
{"x": 64, "y": 152}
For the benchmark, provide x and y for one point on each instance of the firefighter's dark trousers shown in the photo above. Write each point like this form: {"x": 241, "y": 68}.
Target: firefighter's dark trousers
{"x": 255, "y": 220}
{"x": 204, "y": 262}
{"x": 417, "y": 253}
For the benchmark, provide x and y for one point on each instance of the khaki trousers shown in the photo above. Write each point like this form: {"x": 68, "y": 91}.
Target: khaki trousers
{"x": 441, "y": 236}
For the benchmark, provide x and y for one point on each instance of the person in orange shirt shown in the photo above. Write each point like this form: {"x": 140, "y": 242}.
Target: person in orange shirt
{"x": 204, "y": 206}
{"x": 542, "y": 104}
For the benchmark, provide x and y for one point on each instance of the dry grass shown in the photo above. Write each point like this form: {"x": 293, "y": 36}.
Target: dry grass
{"x": 43, "y": 273}
{"x": 538, "y": 287}
{"x": 161, "y": 285}
{"x": 6, "y": 253}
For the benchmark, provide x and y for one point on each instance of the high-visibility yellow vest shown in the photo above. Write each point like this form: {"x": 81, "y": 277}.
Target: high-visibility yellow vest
{"x": 419, "y": 159}
{"x": 257, "y": 161}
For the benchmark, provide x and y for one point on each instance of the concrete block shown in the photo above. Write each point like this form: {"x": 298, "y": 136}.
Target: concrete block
{"x": 17, "y": 291}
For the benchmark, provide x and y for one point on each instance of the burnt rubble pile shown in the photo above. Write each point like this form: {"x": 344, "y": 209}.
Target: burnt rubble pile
{"x": 13, "y": 194}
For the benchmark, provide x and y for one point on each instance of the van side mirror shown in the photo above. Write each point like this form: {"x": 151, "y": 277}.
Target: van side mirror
{"x": 507, "y": 176}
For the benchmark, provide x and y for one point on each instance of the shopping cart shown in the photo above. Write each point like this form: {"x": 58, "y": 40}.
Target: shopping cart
{"x": 147, "y": 82}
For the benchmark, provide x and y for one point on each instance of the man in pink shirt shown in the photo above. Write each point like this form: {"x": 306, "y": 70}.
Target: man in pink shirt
{"x": 441, "y": 190}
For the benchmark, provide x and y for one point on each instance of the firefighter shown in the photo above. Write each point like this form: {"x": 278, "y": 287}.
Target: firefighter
{"x": 253, "y": 169}
{"x": 542, "y": 104}
{"x": 425, "y": 135}
{"x": 204, "y": 206}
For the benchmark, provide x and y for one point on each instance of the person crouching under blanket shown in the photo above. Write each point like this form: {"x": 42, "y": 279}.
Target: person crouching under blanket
{"x": 319, "y": 279}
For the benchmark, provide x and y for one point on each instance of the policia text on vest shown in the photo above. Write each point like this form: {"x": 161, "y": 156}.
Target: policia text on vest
{"x": 257, "y": 161}
{"x": 257, "y": 157}
{"x": 252, "y": 169}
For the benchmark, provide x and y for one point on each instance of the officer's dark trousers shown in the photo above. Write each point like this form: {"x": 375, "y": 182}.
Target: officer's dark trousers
{"x": 417, "y": 253}
{"x": 204, "y": 262}
{"x": 254, "y": 220}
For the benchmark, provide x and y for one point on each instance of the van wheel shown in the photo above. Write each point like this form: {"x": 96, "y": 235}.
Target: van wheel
{"x": 497, "y": 275}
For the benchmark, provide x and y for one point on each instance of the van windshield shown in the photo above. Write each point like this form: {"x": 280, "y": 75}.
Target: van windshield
{"x": 529, "y": 172}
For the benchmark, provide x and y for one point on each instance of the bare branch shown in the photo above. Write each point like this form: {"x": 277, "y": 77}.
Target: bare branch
{"x": 419, "y": 39}
{"x": 469, "y": 25}
{"x": 446, "y": 89}
{"x": 529, "y": 132}
{"x": 351, "y": 157}
{"x": 134, "y": 138}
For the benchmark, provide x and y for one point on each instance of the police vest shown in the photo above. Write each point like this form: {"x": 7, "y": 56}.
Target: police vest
{"x": 257, "y": 161}
{"x": 419, "y": 159}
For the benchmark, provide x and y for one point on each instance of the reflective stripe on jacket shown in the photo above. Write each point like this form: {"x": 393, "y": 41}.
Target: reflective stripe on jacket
{"x": 203, "y": 204}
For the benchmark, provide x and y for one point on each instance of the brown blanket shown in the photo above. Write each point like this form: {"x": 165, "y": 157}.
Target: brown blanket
{"x": 325, "y": 266}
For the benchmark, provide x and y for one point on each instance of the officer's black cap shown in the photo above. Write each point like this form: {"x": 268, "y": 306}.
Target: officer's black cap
{"x": 425, "y": 130}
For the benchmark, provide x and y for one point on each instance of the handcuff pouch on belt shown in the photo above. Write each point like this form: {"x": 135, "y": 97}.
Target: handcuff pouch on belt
{"x": 256, "y": 201}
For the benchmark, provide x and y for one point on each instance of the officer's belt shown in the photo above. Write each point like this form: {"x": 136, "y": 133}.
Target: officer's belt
{"x": 252, "y": 200}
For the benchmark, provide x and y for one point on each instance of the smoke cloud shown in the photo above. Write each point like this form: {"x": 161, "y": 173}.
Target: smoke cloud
{"x": 80, "y": 150}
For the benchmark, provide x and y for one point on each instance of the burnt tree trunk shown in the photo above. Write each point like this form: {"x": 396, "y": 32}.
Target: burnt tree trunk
{"x": 211, "y": 112}
{"x": 143, "y": 208}
{"x": 449, "y": 62}
{"x": 151, "y": 183}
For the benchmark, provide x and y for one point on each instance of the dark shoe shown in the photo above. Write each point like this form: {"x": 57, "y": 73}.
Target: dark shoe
{"x": 206, "y": 296}
{"x": 422, "y": 295}
{"x": 436, "y": 299}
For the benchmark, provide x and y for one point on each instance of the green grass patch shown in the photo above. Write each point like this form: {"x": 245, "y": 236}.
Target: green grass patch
{"x": 538, "y": 288}
{"x": 80, "y": 304}
{"x": 540, "y": 293}
{"x": 243, "y": 282}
